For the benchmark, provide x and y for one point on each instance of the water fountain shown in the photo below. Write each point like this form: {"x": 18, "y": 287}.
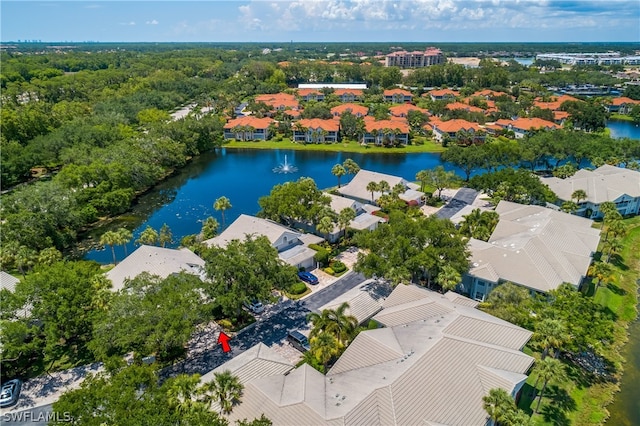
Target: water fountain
{"x": 285, "y": 167}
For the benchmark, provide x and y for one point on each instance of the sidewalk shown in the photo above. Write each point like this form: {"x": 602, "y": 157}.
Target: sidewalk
{"x": 46, "y": 389}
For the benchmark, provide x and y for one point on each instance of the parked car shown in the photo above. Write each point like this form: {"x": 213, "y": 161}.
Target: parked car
{"x": 308, "y": 277}
{"x": 298, "y": 341}
{"x": 9, "y": 393}
{"x": 255, "y": 307}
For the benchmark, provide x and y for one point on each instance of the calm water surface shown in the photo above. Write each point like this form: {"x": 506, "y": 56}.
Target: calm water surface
{"x": 624, "y": 129}
{"x": 243, "y": 176}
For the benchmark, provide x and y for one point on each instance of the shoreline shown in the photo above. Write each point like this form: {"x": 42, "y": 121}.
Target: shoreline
{"x": 428, "y": 147}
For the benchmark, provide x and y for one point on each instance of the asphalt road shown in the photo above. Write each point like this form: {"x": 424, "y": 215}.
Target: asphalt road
{"x": 463, "y": 197}
{"x": 268, "y": 330}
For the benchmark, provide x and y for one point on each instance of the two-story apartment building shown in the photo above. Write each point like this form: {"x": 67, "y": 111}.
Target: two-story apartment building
{"x": 348, "y": 95}
{"x": 355, "y": 109}
{"x": 522, "y": 127}
{"x": 382, "y": 132}
{"x": 315, "y": 130}
{"x": 248, "y": 128}
{"x": 606, "y": 183}
{"x": 398, "y": 96}
{"x": 452, "y": 129}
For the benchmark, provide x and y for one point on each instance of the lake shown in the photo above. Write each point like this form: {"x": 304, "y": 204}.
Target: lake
{"x": 623, "y": 129}
{"x": 243, "y": 176}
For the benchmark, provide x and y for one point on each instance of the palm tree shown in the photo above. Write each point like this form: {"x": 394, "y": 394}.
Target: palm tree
{"x": 111, "y": 239}
{"x": 325, "y": 226}
{"x": 338, "y": 171}
{"x": 351, "y": 166}
{"x": 165, "y": 237}
{"x": 148, "y": 237}
{"x": 181, "y": 392}
{"x": 24, "y": 259}
{"x": 613, "y": 246}
{"x": 448, "y": 278}
{"x": 601, "y": 271}
{"x": 551, "y": 334}
{"x": 497, "y": 403}
{"x": 49, "y": 256}
{"x": 384, "y": 187}
{"x": 373, "y": 187}
{"x": 325, "y": 346}
{"x": 335, "y": 322}
{"x": 607, "y": 208}
{"x": 423, "y": 177}
{"x": 225, "y": 389}
{"x": 222, "y": 204}
{"x": 569, "y": 207}
{"x": 125, "y": 238}
{"x": 209, "y": 228}
{"x": 345, "y": 217}
{"x": 615, "y": 228}
{"x": 548, "y": 369}
{"x": 579, "y": 195}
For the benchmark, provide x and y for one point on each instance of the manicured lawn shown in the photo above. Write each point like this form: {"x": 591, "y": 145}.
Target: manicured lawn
{"x": 621, "y": 117}
{"x": 579, "y": 400}
{"x": 351, "y": 146}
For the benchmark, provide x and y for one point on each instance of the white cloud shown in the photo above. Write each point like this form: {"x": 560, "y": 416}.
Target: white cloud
{"x": 128, "y": 24}
{"x": 152, "y": 22}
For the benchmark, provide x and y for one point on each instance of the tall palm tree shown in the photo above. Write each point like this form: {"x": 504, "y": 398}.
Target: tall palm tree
{"x": 551, "y": 334}
{"x": 225, "y": 389}
{"x": 181, "y": 392}
{"x": 125, "y": 238}
{"x": 569, "y": 207}
{"x": 548, "y": 369}
{"x": 222, "y": 204}
{"x": 607, "y": 208}
{"x": 497, "y": 403}
{"x": 111, "y": 239}
{"x": 372, "y": 187}
{"x": 325, "y": 226}
{"x": 613, "y": 246}
{"x": 579, "y": 195}
{"x": 165, "y": 236}
{"x": 345, "y": 217}
{"x": 338, "y": 171}
{"x": 351, "y": 166}
{"x": 448, "y": 278}
{"x": 384, "y": 187}
{"x": 325, "y": 346}
{"x": 601, "y": 271}
{"x": 335, "y": 322}
{"x": 148, "y": 237}
{"x": 423, "y": 177}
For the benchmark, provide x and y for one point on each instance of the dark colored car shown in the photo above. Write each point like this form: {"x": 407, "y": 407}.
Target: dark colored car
{"x": 308, "y": 277}
{"x": 9, "y": 393}
{"x": 298, "y": 341}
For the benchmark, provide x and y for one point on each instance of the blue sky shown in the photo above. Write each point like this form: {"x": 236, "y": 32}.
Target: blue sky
{"x": 322, "y": 20}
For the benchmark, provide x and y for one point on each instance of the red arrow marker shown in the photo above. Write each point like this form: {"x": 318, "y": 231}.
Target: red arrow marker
{"x": 223, "y": 339}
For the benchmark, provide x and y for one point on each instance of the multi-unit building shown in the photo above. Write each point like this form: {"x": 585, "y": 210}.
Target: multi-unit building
{"x": 248, "y": 128}
{"x": 316, "y": 130}
{"x": 606, "y": 183}
{"x": 416, "y": 59}
{"x": 381, "y": 132}
{"x": 608, "y": 58}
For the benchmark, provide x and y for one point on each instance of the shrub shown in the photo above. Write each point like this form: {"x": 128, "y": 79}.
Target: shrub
{"x": 322, "y": 256}
{"x": 225, "y": 323}
{"x": 330, "y": 271}
{"x": 338, "y": 266}
{"x": 298, "y": 288}
{"x": 316, "y": 247}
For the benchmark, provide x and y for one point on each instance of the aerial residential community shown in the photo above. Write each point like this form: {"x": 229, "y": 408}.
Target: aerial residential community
{"x": 318, "y": 233}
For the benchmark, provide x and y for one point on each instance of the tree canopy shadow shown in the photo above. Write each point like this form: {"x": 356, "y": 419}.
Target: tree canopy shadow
{"x": 555, "y": 412}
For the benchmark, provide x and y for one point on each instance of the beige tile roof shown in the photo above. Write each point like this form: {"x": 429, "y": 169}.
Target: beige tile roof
{"x": 431, "y": 370}
{"x": 606, "y": 183}
{"x": 535, "y": 247}
{"x": 156, "y": 261}
{"x": 8, "y": 281}
{"x": 357, "y": 188}
{"x": 246, "y": 225}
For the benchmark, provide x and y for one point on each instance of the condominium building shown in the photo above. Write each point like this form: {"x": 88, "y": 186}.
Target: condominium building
{"x": 416, "y": 59}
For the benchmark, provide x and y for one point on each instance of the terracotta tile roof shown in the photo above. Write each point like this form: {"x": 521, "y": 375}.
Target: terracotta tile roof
{"x": 623, "y": 100}
{"x": 292, "y": 112}
{"x": 256, "y": 123}
{"x": 307, "y": 92}
{"x": 560, "y": 115}
{"x": 355, "y": 92}
{"x": 529, "y": 123}
{"x": 391, "y": 92}
{"x": 490, "y": 94}
{"x": 455, "y": 125}
{"x": 371, "y": 125}
{"x": 354, "y": 108}
{"x": 555, "y": 104}
{"x": 317, "y": 123}
{"x": 404, "y": 109}
{"x": 277, "y": 100}
{"x": 459, "y": 105}
{"x": 443, "y": 92}
{"x": 284, "y": 64}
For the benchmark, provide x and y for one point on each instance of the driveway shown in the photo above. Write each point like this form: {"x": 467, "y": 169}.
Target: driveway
{"x": 464, "y": 197}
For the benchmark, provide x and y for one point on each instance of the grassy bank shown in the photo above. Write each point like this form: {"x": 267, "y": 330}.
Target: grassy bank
{"x": 620, "y": 117}
{"x": 344, "y": 146}
{"x": 580, "y": 400}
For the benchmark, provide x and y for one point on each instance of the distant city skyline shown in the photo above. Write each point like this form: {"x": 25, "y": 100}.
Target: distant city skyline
{"x": 280, "y": 21}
